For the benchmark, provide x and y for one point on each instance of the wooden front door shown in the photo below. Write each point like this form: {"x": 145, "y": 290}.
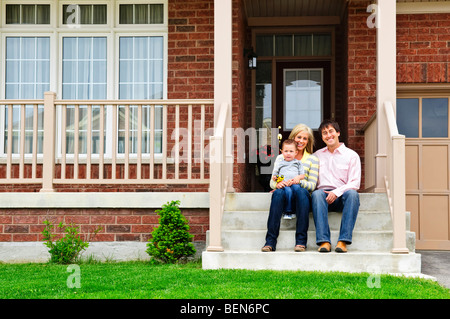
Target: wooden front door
{"x": 303, "y": 91}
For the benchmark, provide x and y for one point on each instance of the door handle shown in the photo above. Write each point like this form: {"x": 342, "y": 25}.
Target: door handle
{"x": 280, "y": 137}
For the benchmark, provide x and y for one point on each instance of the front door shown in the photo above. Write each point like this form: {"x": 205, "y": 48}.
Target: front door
{"x": 303, "y": 91}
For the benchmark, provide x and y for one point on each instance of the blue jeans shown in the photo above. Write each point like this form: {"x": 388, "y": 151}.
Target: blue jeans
{"x": 348, "y": 204}
{"x": 288, "y": 195}
{"x": 301, "y": 198}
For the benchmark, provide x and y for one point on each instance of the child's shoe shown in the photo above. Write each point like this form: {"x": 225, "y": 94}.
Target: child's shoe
{"x": 287, "y": 216}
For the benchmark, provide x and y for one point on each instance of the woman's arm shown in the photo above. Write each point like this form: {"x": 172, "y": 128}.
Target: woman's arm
{"x": 311, "y": 167}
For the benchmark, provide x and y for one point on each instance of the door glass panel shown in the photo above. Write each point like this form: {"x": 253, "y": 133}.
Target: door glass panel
{"x": 408, "y": 117}
{"x": 435, "y": 117}
{"x": 303, "y": 97}
{"x": 263, "y": 114}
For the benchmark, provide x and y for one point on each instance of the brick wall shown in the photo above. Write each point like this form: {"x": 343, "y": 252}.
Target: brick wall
{"x": 361, "y": 88}
{"x": 423, "y": 48}
{"x": 26, "y": 225}
{"x": 423, "y": 56}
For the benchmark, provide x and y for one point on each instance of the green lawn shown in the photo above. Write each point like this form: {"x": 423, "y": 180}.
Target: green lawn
{"x": 141, "y": 280}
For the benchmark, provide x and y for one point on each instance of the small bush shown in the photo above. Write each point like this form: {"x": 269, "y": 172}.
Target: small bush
{"x": 67, "y": 249}
{"x": 171, "y": 240}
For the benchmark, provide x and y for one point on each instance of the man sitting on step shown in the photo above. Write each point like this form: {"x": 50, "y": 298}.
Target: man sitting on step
{"x": 339, "y": 180}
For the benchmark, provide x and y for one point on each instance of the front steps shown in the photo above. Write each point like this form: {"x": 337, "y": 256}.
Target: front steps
{"x": 244, "y": 226}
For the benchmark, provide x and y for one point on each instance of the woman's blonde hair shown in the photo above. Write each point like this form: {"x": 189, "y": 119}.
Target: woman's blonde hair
{"x": 304, "y": 128}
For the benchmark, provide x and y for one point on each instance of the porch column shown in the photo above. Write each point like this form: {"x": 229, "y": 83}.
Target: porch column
{"x": 394, "y": 169}
{"x": 386, "y": 81}
{"x": 223, "y": 46}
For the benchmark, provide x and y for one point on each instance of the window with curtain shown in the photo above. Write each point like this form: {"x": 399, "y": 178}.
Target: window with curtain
{"x": 27, "y": 14}
{"x": 27, "y": 77}
{"x": 84, "y": 14}
{"x": 141, "y": 14}
{"x": 311, "y": 44}
{"x": 84, "y": 76}
{"x": 141, "y": 64}
{"x": 27, "y": 67}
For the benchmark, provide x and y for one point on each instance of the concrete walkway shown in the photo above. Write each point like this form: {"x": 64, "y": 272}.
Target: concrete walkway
{"x": 436, "y": 264}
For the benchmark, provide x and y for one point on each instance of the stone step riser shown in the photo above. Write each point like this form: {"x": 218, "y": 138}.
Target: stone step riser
{"x": 257, "y": 220}
{"x": 374, "y": 263}
{"x": 261, "y": 201}
{"x": 362, "y": 241}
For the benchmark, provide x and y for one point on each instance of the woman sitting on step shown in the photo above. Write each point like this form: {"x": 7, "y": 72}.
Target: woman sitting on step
{"x": 302, "y": 189}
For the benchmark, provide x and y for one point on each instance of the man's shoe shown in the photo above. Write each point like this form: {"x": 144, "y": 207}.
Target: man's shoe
{"x": 341, "y": 247}
{"x": 324, "y": 248}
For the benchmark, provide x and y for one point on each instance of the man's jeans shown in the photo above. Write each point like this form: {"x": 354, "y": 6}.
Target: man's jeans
{"x": 348, "y": 204}
{"x": 302, "y": 205}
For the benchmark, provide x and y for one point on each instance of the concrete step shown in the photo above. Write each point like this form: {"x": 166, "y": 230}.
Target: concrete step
{"x": 364, "y": 241}
{"x": 261, "y": 201}
{"x": 371, "y": 262}
{"x": 257, "y": 220}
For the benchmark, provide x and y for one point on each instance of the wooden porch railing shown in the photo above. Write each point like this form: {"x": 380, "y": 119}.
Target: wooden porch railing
{"x": 120, "y": 149}
{"x": 395, "y": 172}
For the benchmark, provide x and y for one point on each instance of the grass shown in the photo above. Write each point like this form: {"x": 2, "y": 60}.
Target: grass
{"x": 142, "y": 280}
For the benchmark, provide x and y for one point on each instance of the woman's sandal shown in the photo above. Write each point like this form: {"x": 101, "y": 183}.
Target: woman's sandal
{"x": 299, "y": 248}
{"x": 267, "y": 249}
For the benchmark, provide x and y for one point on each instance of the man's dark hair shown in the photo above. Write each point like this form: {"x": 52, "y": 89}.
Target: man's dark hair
{"x": 326, "y": 123}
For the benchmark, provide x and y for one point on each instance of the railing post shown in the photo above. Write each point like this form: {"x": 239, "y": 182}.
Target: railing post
{"x": 48, "y": 165}
{"x": 215, "y": 194}
{"x": 399, "y": 197}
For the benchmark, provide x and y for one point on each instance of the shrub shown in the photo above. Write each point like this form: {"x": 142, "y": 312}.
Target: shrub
{"x": 67, "y": 249}
{"x": 171, "y": 240}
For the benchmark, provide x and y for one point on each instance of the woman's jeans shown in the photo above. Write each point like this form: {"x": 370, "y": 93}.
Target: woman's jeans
{"x": 301, "y": 198}
{"x": 348, "y": 204}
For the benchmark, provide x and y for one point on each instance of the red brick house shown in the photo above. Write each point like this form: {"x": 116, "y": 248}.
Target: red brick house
{"x": 150, "y": 81}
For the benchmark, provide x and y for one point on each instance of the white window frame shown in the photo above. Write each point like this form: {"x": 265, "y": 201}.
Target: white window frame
{"x": 56, "y": 31}
{"x": 149, "y": 27}
{"x": 92, "y": 27}
{"x": 35, "y": 27}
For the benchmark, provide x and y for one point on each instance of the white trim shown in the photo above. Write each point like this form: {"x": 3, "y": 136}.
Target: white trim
{"x": 423, "y": 7}
{"x": 102, "y": 200}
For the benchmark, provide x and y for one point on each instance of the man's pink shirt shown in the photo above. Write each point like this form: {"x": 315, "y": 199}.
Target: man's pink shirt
{"x": 339, "y": 171}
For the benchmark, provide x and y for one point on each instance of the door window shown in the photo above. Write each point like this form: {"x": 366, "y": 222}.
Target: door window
{"x": 303, "y": 97}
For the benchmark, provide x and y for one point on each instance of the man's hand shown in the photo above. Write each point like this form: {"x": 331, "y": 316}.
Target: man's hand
{"x": 331, "y": 197}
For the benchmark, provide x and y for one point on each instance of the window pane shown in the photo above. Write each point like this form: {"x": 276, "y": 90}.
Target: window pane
{"x": 28, "y": 14}
{"x": 85, "y": 14}
{"x": 99, "y": 14}
{"x": 322, "y": 45}
{"x": 264, "y": 45}
{"x": 434, "y": 117}
{"x": 263, "y": 113}
{"x": 126, "y": 14}
{"x": 27, "y": 72}
{"x": 43, "y": 14}
{"x": 141, "y": 68}
{"x": 303, "y": 45}
{"x": 81, "y": 70}
{"x": 140, "y": 13}
{"x": 283, "y": 45}
{"x": 303, "y": 98}
{"x": 156, "y": 13}
{"x": 408, "y": 117}
{"x": 12, "y": 14}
